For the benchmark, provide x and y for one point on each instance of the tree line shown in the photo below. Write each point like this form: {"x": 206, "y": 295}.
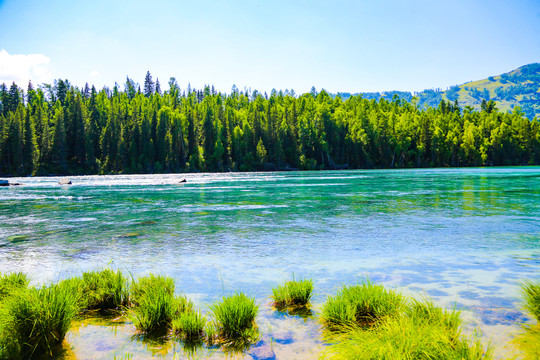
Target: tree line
{"x": 62, "y": 129}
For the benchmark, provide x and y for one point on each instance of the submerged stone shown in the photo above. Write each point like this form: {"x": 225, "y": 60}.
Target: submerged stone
{"x": 18, "y": 238}
{"x": 262, "y": 352}
{"x": 129, "y": 235}
{"x": 147, "y": 222}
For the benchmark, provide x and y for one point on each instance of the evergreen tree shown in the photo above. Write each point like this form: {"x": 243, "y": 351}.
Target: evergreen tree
{"x": 149, "y": 87}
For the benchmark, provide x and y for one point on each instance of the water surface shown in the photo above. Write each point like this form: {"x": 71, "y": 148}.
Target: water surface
{"x": 465, "y": 237}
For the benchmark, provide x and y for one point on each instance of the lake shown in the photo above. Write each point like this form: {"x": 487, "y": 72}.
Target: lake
{"x": 464, "y": 237}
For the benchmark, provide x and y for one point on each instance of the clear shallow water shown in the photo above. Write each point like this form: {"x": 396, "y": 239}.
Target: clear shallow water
{"x": 465, "y": 237}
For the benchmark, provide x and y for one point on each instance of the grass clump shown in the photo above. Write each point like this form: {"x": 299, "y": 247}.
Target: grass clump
{"x": 155, "y": 304}
{"x": 104, "y": 290}
{"x": 360, "y": 305}
{"x": 369, "y": 322}
{"x": 293, "y": 293}
{"x": 235, "y": 316}
{"x": 34, "y": 322}
{"x": 528, "y": 342}
{"x": 531, "y": 292}
{"x": 189, "y": 325}
{"x": 12, "y": 283}
{"x": 403, "y": 337}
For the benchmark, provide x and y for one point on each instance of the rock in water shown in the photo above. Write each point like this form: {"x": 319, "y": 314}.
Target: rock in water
{"x": 183, "y": 180}
{"x": 4, "y": 183}
{"x": 263, "y": 352}
{"x": 64, "y": 181}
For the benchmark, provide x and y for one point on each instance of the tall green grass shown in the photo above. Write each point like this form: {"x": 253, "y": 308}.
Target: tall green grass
{"x": 403, "y": 337}
{"x": 155, "y": 304}
{"x": 34, "y": 322}
{"x": 367, "y": 321}
{"x": 293, "y": 293}
{"x": 235, "y": 316}
{"x": 531, "y": 292}
{"x": 528, "y": 342}
{"x": 11, "y": 283}
{"x": 360, "y": 305}
{"x": 105, "y": 289}
{"x": 189, "y": 325}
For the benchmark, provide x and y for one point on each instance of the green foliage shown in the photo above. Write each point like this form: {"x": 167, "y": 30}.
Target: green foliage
{"x": 369, "y": 322}
{"x": 66, "y": 130}
{"x": 235, "y": 315}
{"x": 293, "y": 293}
{"x": 361, "y": 305}
{"x": 531, "y": 292}
{"x": 34, "y": 322}
{"x": 103, "y": 290}
{"x": 12, "y": 283}
{"x": 189, "y": 325}
{"x": 403, "y": 337}
{"x": 155, "y": 304}
{"x": 528, "y": 343}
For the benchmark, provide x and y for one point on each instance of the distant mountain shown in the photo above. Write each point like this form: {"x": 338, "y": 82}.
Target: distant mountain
{"x": 520, "y": 87}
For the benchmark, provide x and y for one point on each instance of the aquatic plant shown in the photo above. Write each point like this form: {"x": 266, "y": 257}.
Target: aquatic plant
{"x": 35, "y": 321}
{"x": 401, "y": 337}
{"x": 151, "y": 283}
{"x": 104, "y": 290}
{"x": 12, "y": 282}
{"x": 189, "y": 325}
{"x": 425, "y": 311}
{"x": 235, "y": 316}
{"x": 293, "y": 293}
{"x": 531, "y": 292}
{"x": 528, "y": 342}
{"x": 155, "y": 304}
{"x": 360, "y": 305}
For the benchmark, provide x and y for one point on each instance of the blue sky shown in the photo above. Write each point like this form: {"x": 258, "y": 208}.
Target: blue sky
{"x": 345, "y": 46}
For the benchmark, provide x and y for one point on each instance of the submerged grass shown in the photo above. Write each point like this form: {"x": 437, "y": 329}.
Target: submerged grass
{"x": 360, "y": 305}
{"x": 235, "y": 316}
{"x": 293, "y": 293}
{"x": 34, "y": 322}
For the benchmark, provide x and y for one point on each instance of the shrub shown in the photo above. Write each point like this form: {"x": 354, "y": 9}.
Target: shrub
{"x": 360, "y": 305}
{"x": 235, "y": 315}
{"x": 293, "y": 293}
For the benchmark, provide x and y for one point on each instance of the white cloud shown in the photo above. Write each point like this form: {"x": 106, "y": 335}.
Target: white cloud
{"x": 94, "y": 74}
{"x": 22, "y": 68}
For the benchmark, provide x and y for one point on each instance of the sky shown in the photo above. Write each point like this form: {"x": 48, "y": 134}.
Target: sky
{"x": 341, "y": 46}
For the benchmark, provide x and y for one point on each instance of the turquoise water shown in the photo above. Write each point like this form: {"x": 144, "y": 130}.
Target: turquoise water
{"x": 465, "y": 237}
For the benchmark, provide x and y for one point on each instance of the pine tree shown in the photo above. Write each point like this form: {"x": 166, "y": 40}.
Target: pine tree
{"x": 158, "y": 87}
{"x": 58, "y": 148}
{"x": 149, "y": 87}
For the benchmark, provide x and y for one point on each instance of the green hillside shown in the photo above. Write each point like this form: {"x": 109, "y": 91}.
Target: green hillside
{"x": 520, "y": 87}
